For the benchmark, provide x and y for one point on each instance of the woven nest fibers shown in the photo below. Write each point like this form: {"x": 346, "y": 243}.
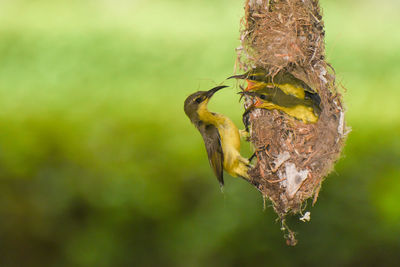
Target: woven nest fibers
{"x": 293, "y": 157}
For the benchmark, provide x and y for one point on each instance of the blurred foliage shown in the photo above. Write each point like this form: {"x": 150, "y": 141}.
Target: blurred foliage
{"x": 100, "y": 167}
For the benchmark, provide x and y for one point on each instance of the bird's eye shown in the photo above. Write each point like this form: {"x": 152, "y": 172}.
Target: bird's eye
{"x": 198, "y": 100}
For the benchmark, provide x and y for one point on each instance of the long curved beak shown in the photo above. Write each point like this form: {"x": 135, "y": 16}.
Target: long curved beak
{"x": 241, "y": 76}
{"x": 211, "y": 92}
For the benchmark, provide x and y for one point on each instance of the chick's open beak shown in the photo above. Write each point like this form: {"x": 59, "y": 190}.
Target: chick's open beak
{"x": 254, "y": 85}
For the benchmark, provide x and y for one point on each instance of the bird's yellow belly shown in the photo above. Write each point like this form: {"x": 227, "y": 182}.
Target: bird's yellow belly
{"x": 300, "y": 112}
{"x": 290, "y": 89}
{"x": 234, "y": 163}
{"x": 230, "y": 142}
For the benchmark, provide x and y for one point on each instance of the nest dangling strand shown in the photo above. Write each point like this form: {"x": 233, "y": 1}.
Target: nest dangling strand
{"x": 293, "y": 157}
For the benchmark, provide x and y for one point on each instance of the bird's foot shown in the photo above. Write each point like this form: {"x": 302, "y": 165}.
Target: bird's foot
{"x": 244, "y": 134}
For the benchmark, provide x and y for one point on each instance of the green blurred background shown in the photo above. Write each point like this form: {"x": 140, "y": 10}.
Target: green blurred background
{"x": 100, "y": 167}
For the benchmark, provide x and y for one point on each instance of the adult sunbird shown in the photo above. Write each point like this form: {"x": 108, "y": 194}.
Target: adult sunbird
{"x": 283, "y": 92}
{"x": 221, "y": 136}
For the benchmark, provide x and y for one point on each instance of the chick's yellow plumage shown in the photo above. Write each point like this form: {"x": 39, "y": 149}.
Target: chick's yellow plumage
{"x": 282, "y": 92}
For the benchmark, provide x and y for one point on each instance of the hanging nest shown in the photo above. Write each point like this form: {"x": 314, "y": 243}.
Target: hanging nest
{"x": 292, "y": 157}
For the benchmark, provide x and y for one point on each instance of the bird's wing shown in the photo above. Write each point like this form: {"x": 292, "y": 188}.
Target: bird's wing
{"x": 212, "y": 141}
{"x": 287, "y": 77}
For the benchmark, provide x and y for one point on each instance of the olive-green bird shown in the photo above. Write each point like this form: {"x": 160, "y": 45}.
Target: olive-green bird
{"x": 258, "y": 78}
{"x": 221, "y": 136}
{"x": 274, "y": 98}
{"x": 283, "y": 92}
